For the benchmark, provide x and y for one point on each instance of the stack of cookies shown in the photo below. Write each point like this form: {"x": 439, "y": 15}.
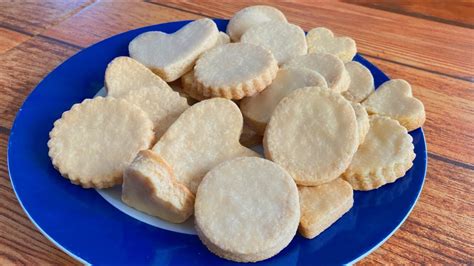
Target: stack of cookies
{"x": 171, "y": 131}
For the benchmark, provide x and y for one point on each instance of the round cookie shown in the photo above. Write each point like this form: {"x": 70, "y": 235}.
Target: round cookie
{"x": 234, "y": 71}
{"x": 252, "y": 16}
{"x": 93, "y": 142}
{"x": 258, "y": 109}
{"x": 247, "y": 209}
{"x": 283, "y": 39}
{"x": 386, "y": 154}
{"x": 328, "y": 65}
{"x": 362, "y": 82}
{"x": 313, "y": 135}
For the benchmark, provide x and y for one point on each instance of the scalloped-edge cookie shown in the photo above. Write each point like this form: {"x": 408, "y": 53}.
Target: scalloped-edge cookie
{"x": 124, "y": 74}
{"x": 172, "y": 55}
{"x": 323, "y": 205}
{"x": 386, "y": 155}
{"x": 283, "y": 39}
{"x": 328, "y": 65}
{"x": 313, "y": 135}
{"x": 252, "y": 16}
{"x": 362, "y": 118}
{"x": 92, "y": 143}
{"x": 203, "y": 136}
{"x": 258, "y": 109}
{"x": 149, "y": 186}
{"x": 322, "y": 40}
{"x": 218, "y": 75}
{"x": 362, "y": 82}
{"x": 394, "y": 99}
{"x": 247, "y": 209}
{"x": 162, "y": 105}
{"x": 189, "y": 86}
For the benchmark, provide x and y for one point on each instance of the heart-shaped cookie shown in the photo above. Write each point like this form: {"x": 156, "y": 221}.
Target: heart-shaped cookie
{"x": 125, "y": 74}
{"x": 205, "y": 135}
{"x": 322, "y": 40}
{"x": 394, "y": 99}
{"x": 172, "y": 55}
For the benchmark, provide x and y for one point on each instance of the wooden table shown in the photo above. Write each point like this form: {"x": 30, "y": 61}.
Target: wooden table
{"x": 430, "y": 45}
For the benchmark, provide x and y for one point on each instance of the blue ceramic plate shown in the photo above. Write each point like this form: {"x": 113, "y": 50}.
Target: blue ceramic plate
{"x": 96, "y": 228}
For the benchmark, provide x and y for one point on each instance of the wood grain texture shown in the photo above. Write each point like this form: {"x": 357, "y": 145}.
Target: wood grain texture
{"x": 402, "y": 39}
{"x": 435, "y": 232}
{"x": 455, "y": 12}
{"x": 22, "y": 68}
{"x": 20, "y": 242}
{"x": 34, "y": 16}
{"x": 433, "y": 56}
{"x": 105, "y": 19}
{"x": 10, "y": 39}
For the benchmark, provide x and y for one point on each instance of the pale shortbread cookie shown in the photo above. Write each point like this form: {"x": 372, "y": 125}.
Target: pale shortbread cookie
{"x": 93, "y": 142}
{"x": 283, "y": 39}
{"x": 162, "y": 105}
{"x": 188, "y": 83}
{"x": 125, "y": 74}
{"x": 394, "y": 99}
{"x": 313, "y": 135}
{"x": 322, "y": 40}
{"x": 329, "y": 66}
{"x": 247, "y": 209}
{"x": 252, "y": 16}
{"x": 362, "y": 118}
{"x": 258, "y": 109}
{"x": 234, "y": 71}
{"x": 386, "y": 154}
{"x": 172, "y": 55}
{"x": 323, "y": 205}
{"x": 222, "y": 38}
{"x": 249, "y": 138}
{"x": 362, "y": 82}
{"x": 149, "y": 186}
{"x": 205, "y": 135}
{"x": 190, "y": 87}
